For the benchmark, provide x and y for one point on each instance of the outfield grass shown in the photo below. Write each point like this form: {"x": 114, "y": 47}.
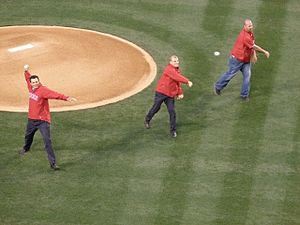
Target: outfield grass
{"x": 233, "y": 163}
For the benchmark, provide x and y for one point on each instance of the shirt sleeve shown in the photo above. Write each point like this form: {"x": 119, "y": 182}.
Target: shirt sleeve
{"x": 175, "y": 75}
{"x": 27, "y": 76}
{"x": 50, "y": 94}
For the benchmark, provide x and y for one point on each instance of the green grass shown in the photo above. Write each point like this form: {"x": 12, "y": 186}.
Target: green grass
{"x": 233, "y": 163}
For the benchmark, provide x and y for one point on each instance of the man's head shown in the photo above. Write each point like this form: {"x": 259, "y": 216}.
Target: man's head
{"x": 248, "y": 26}
{"x": 34, "y": 81}
{"x": 174, "y": 61}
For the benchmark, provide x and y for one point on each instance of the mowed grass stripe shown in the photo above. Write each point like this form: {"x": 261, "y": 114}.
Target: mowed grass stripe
{"x": 247, "y": 136}
{"x": 217, "y": 118}
{"x": 175, "y": 183}
{"x": 209, "y": 158}
{"x": 213, "y": 22}
{"x": 291, "y": 205}
{"x": 273, "y": 174}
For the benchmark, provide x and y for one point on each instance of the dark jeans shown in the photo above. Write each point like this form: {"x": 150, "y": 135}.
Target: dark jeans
{"x": 44, "y": 128}
{"x": 170, "y": 103}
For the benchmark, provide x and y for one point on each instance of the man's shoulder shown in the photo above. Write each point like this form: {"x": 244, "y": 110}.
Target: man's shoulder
{"x": 169, "y": 67}
{"x": 42, "y": 89}
{"x": 246, "y": 33}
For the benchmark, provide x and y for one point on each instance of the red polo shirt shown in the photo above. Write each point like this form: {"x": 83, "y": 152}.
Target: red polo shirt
{"x": 169, "y": 82}
{"x": 243, "y": 46}
{"x": 38, "y": 100}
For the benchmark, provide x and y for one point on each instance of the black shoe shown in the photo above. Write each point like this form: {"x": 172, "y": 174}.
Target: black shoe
{"x": 54, "y": 167}
{"x": 23, "y": 151}
{"x": 245, "y": 98}
{"x": 173, "y": 134}
{"x": 217, "y": 91}
{"x": 147, "y": 124}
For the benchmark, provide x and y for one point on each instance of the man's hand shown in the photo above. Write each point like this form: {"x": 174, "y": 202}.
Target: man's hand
{"x": 71, "y": 99}
{"x": 179, "y": 97}
{"x": 26, "y": 67}
{"x": 267, "y": 54}
{"x": 190, "y": 84}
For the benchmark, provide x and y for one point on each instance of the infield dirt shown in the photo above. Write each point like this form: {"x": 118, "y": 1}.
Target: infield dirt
{"x": 94, "y": 67}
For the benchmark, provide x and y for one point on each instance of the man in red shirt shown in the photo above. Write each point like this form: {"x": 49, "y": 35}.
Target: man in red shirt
{"x": 243, "y": 54}
{"x": 39, "y": 114}
{"x": 167, "y": 89}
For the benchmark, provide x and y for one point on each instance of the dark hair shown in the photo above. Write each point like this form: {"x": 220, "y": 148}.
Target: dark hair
{"x": 34, "y": 77}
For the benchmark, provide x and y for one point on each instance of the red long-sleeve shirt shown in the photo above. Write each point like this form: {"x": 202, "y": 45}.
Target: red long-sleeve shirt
{"x": 169, "y": 82}
{"x": 243, "y": 46}
{"x": 38, "y": 100}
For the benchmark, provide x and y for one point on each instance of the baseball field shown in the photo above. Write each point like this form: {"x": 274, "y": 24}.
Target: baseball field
{"x": 232, "y": 163}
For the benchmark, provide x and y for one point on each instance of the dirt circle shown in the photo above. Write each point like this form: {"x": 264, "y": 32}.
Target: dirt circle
{"x": 94, "y": 67}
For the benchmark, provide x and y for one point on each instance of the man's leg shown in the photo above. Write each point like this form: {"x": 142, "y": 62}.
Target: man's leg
{"x": 170, "y": 103}
{"x": 234, "y": 66}
{"x": 44, "y": 128}
{"x": 246, "y": 70}
{"x": 30, "y": 131}
{"x": 158, "y": 100}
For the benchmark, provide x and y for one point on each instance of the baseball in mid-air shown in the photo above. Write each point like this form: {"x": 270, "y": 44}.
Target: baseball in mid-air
{"x": 216, "y": 53}
{"x": 26, "y": 67}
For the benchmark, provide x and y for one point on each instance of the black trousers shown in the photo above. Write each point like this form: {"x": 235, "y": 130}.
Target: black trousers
{"x": 170, "y": 103}
{"x": 44, "y": 128}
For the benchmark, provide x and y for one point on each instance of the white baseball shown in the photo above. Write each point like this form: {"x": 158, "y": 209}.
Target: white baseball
{"x": 26, "y": 67}
{"x": 216, "y": 53}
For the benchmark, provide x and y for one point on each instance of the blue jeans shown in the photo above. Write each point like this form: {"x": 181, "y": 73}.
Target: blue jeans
{"x": 234, "y": 66}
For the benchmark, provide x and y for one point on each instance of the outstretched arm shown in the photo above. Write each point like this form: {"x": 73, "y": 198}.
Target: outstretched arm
{"x": 50, "y": 94}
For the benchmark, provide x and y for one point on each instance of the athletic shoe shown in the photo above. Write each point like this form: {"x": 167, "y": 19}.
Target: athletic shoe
{"x": 147, "y": 124}
{"x": 245, "y": 98}
{"x": 217, "y": 91}
{"x": 54, "y": 166}
{"x": 173, "y": 134}
{"x": 23, "y": 151}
